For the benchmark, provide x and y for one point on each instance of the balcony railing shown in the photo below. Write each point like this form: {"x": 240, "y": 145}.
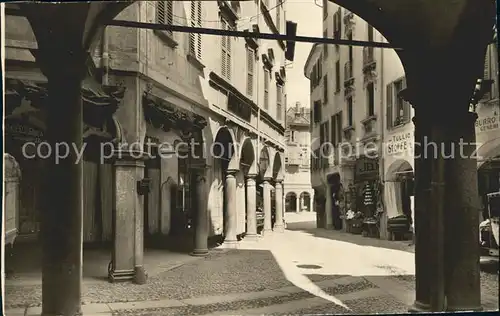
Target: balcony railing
{"x": 368, "y": 56}
{"x": 348, "y": 71}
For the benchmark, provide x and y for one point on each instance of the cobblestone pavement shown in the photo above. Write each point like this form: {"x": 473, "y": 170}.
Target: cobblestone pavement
{"x": 264, "y": 278}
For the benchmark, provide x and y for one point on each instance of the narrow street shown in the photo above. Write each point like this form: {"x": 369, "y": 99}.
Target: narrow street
{"x": 303, "y": 271}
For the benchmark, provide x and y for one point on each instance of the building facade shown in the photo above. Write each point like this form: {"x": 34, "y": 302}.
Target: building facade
{"x": 488, "y": 129}
{"x": 210, "y": 140}
{"x": 298, "y": 190}
{"x": 350, "y": 121}
{"x": 367, "y": 88}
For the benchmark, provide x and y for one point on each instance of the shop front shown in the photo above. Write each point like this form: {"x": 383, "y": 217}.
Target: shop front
{"x": 488, "y": 153}
{"x": 398, "y": 196}
{"x": 364, "y": 196}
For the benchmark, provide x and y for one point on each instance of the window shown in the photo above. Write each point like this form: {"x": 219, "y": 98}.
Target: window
{"x": 398, "y": 86}
{"x": 339, "y": 124}
{"x": 370, "y": 33}
{"x": 279, "y": 102}
{"x": 350, "y": 49}
{"x": 325, "y": 46}
{"x": 398, "y": 110}
{"x": 349, "y": 112}
{"x": 317, "y": 111}
{"x": 370, "y": 98}
{"x": 325, "y": 89}
{"x": 293, "y": 136}
{"x": 165, "y": 13}
{"x": 333, "y": 131}
{"x": 337, "y": 25}
{"x": 226, "y": 51}
{"x": 337, "y": 75}
{"x": 250, "y": 71}
{"x": 195, "y": 38}
{"x": 266, "y": 89}
{"x": 278, "y": 15}
{"x": 326, "y": 140}
{"x": 325, "y": 9}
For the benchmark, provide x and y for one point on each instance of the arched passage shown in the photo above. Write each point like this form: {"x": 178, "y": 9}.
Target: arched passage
{"x": 291, "y": 202}
{"x": 305, "y": 202}
{"x": 224, "y": 154}
{"x": 398, "y": 195}
{"x": 247, "y": 156}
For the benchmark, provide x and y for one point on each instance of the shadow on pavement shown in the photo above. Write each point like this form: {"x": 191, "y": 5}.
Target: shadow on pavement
{"x": 310, "y": 228}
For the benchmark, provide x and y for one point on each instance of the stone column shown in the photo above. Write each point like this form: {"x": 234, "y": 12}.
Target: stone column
{"x": 422, "y": 209}
{"x": 328, "y": 208}
{"x": 251, "y": 223}
{"x": 267, "y": 207}
{"x": 128, "y": 226}
{"x": 297, "y": 203}
{"x": 279, "y": 226}
{"x": 201, "y": 221}
{"x": 62, "y": 191}
{"x": 461, "y": 213}
{"x": 230, "y": 234}
{"x": 311, "y": 203}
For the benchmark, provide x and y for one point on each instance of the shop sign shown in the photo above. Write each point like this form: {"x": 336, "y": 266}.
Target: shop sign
{"x": 488, "y": 123}
{"x": 23, "y": 132}
{"x": 400, "y": 143}
{"x": 366, "y": 166}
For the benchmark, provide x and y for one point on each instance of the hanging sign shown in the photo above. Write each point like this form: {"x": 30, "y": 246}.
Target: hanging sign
{"x": 367, "y": 166}
{"x": 400, "y": 143}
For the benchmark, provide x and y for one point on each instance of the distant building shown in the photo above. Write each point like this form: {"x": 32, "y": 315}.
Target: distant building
{"x": 298, "y": 190}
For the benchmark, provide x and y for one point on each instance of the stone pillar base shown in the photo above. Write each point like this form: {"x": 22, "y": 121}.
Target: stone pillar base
{"x": 231, "y": 244}
{"x": 279, "y": 228}
{"x": 121, "y": 275}
{"x": 141, "y": 276}
{"x": 266, "y": 232}
{"x": 252, "y": 237}
{"x": 329, "y": 226}
{"x": 418, "y": 307}
{"x": 199, "y": 253}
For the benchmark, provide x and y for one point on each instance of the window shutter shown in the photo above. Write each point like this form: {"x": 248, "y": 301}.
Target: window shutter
{"x": 192, "y": 36}
{"x": 160, "y": 12}
{"x": 169, "y": 15}
{"x": 487, "y": 64}
{"x": 389, "y": 106}
{"x": 199, "y": 24}
{"x": 250, "y": 67}
{"x": 487, "y": 72}
{"x": 406, "y": 106}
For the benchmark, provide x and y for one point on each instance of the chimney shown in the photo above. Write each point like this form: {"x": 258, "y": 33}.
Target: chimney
{"x": 297, "y": 107}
